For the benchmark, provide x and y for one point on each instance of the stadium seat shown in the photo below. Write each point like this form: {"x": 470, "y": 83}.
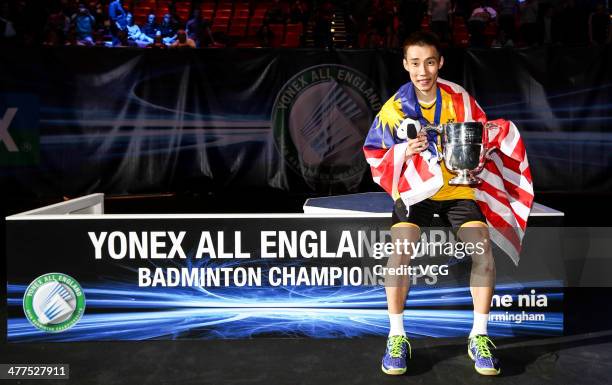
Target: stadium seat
{"x": 237, "y": 29}
{"x": 220, "y": 24}
{"x": 224, "y": 12}
{"x": 297, "y": 28}
{"x": 208, "y": 14}
{"x": 278, "y": 32}
{"x": 292, "y": 40}
{"x": 242, "y": 13}
{"x": 208, "y": 6}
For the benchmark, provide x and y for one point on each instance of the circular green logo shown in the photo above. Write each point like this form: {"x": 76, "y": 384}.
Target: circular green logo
{"x": 320, "y": 119}
{"x": 54, "y": 302}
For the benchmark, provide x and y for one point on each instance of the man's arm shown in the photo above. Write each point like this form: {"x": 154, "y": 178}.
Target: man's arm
{"x": 112, "y": 12}
{"x": 381, "y": 148}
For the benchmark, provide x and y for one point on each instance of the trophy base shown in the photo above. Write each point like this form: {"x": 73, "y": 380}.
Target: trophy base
{"x": 465, "y": 179}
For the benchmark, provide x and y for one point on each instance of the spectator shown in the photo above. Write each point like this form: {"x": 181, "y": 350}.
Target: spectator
{"x": 84, "y": 24}
{"x": 134, "y": 33}
{"x": 481, "y": 16}
{"x": 57, "y": 26}
{"x": 463, "y": 8}
{"x": 150, "y": 28}
{"x": 528, "y": 22}
{"x": 440, "y": 13}
{"x": 52, "y": 38}
{"x": 381, "y": 22}
{"x": 265, "y": 35}
{"x": 198, "y": 30}
{"x": 299, "y": 13}
{"x": 322, "y": 31}
{"x": 122, "y": 39}
{"x": 599, "y": 25}
{"x": 158, "y": 42}
{"x": 99, "y": 38}
{"x": 71, "y": 38}
{"x": 167, "y": 29}
{"x": 507, "y": 10}
{"x": 98, "y": 13}
{"x": 353, "y": 21}
{"x": 183, "y": 41}
{"x": 116, "y": 15}
{"x": 277, "y": 13}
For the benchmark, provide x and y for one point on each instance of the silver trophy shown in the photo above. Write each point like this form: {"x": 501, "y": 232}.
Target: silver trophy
{"x": 464, "y": 150}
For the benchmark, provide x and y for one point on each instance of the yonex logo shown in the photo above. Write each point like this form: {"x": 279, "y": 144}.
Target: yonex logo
{"x": 5, "y": 136}
{"x": 19, "y": 136}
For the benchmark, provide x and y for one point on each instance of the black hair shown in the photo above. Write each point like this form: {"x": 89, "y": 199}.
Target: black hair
{"x": 422, "y": 38}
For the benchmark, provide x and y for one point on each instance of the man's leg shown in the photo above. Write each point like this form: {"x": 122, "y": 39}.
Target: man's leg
{"x": 396, "y": 288}
{"x": 482, "y": 282}
{"x": 482, "y": 277}
{"x": 465, "y": 216}
{"x": 405, "y": 228}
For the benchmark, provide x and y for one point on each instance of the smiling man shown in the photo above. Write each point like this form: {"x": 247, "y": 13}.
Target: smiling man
{"x": 390, "y": 150}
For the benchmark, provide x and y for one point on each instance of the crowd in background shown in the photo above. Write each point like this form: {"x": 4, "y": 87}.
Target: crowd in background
{"x": 326, "y": 23}
{"x": 489, "y": 23}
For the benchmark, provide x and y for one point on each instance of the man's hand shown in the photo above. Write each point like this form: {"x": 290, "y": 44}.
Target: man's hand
{"x": 416, "y": 145}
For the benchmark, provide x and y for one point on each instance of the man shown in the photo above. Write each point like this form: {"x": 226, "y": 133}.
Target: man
{"x": 430, "y": 100}
{"x": 481, "y": 16}
{"x": 84, "y": 24}
{"x": 599, "y": 25}
{"x": 508, "y": 10}
{"x": 150, "y": 28}
{"x": 117, "y": 16}
{"x": 183, "y": 41}
{"x": 168, "y": 29}
{"x": 440, "y": 12}
{"x": 198, "y": 30}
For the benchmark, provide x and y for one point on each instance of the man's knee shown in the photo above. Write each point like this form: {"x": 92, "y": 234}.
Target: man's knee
{"x": 402, "y": 234}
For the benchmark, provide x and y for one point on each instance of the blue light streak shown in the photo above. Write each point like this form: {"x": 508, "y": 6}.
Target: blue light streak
{"x": 120, "y": 311}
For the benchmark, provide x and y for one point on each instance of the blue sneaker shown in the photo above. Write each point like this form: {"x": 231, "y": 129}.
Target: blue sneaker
{"x": 394, "y": 360}
{"x": 480, "y": 353}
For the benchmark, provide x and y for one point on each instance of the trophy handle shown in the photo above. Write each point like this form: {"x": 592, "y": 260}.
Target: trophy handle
{"x": 437, "y": 128}
{"x": 488, "y": 150}
{"x": 484, "y": 159}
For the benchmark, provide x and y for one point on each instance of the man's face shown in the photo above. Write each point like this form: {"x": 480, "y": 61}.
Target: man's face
{"x": 166, "y": 19}
{"x": 151, "y": 19}
{"x": 423, "y": 64}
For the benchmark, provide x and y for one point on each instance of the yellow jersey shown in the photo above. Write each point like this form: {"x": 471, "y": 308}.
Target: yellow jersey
{"x": 446, "y": 192}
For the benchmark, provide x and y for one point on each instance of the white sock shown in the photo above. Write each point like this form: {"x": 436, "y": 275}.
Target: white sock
{"x": 480, "y": 324}
{"x": 397, "y": 325}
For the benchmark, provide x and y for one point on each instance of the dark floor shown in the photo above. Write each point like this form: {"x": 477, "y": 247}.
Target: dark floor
{"x": 580, "y": 359}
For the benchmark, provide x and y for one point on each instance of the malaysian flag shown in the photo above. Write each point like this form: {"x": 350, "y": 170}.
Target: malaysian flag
{"x": 506, "y": 194}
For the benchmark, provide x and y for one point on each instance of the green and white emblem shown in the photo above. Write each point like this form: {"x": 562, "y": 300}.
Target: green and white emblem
{"x": 54, "y": 302}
